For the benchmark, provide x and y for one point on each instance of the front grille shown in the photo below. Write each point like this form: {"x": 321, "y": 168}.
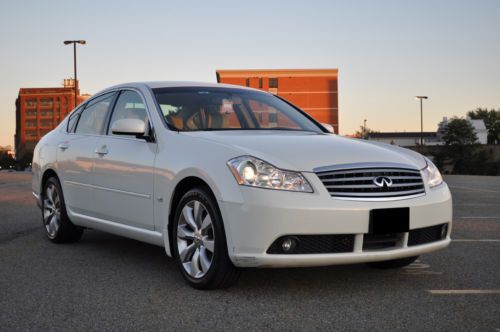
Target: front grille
{"x": 426, "y": 235}
{"x": 359, "y": 183}
{"x": 316, "y": 244}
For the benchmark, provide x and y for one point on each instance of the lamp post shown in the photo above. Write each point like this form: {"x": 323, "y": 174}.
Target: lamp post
{"x": 74, "y": 42}
{"x": 421, "y": 118}
{"x": 364, "y": 129}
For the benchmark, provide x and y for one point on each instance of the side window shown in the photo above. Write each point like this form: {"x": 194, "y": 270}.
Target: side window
{"x": 128, "y": 106}
{"x": 73, "y": 120}
{"x": 92, "y": 118}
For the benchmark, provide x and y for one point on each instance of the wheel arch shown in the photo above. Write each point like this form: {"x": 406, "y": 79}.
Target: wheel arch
{"x": 181, "y": 188}
{"x": 48, "y": 173}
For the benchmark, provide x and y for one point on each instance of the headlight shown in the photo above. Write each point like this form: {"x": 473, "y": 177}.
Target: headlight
{"x": 253, "y": 172}
{"x": 433, "y": 176}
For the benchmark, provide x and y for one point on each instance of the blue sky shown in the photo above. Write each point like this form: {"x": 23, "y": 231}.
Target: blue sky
{"x": 386, "y": 51}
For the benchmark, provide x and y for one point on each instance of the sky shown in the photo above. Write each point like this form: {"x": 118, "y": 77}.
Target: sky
{"x": 386, "y": 51}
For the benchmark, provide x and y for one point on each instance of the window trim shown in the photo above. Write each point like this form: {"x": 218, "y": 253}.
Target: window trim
{"x": 119, "y": 91}
{"x": 86, "y": 104}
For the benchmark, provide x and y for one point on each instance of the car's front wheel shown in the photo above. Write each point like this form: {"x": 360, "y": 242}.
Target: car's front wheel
{"x": 199, "y": 246}
{"x": 58, "y": 227}
{"x": 393, "y": 264}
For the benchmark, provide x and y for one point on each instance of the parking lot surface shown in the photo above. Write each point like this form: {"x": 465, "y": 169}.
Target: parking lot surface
{"x": 108, "y": 282}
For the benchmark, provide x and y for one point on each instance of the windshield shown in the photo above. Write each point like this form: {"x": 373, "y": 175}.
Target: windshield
{"x": 203, "y": 109}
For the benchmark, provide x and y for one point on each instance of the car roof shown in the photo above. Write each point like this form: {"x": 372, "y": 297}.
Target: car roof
{"x": 177, "y": 84}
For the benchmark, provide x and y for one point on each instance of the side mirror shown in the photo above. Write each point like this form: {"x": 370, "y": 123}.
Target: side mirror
{"x": 134, "y": 127}
{"x": 328, "y": 127}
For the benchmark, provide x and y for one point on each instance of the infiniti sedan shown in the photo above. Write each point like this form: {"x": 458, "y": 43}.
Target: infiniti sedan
{"x": 226, "y": 177}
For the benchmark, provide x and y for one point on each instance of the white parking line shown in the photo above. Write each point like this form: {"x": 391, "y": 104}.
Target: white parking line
{"x": 476, "y": 189}
{"x": 463, "y": 291}
{"x": 475, "y": 240}
{"x": 477, "y": 217}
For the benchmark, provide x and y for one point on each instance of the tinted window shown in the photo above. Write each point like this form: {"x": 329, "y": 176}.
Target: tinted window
{"x": 128, "y": 106}
{"x": 73, "y": 119}
{"x": 191, "y": 109}
{"x": 93, "y": 116}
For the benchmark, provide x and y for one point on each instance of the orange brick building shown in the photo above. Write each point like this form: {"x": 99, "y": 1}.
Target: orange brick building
{"x": 313, "y": 90}
{"x": 38, "y": 111}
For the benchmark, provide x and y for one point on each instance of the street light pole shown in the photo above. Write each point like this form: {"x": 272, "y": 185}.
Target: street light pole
{"x": 421, "y": 118}
{"x": 74, "y": 42}
{"x": 364, "y": 129}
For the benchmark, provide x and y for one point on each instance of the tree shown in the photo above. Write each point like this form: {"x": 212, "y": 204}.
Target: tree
{"x": 461, "y": 141}
{"x": 359, "y": 133}
{"x": 459, "y": 132}
{"x": 491, "y": 120}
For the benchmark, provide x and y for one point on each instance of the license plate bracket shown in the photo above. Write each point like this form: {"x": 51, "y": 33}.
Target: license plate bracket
{"x": 389, "y": 221}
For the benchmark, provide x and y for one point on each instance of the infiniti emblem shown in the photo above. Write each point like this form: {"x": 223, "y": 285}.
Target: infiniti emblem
{"x": 382, "y": 181}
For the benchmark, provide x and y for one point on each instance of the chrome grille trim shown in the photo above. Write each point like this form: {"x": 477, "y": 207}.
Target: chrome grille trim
{"x": 357, "y": 182}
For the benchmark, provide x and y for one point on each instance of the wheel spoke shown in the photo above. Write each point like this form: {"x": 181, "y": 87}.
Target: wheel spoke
{"x": 187, "y": 212}
{"x": 197, "y": 213}
{"x": 208, "y": 244}
{"x": 205, "y": 262}
{"x": 50, "y": 194}
{"x": 47, "y": 215}
{"x": 184, "y": 233}
{"x": 207, "y": 223}
{"x": 186, "y": 253}
{"x": 195, "y": 263}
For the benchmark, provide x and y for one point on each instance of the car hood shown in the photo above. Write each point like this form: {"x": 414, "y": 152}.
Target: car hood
{"x": 304, "y": 151}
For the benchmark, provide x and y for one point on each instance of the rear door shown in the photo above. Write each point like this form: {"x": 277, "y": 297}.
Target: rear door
{"x": 124, "y": 168}
{"x": 75, "y": 153}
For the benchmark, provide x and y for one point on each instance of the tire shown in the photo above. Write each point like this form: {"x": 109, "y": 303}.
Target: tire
{"x": 393, "y": 264}
{"x": 58, "y": 227}
{"x": 199, "y": 242}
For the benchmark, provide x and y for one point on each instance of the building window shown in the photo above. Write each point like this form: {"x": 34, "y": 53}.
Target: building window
{"x": 247, "y": 82}
{"x": 30, "y": 124}
{"x": 31, "y": 113}
{"x": 273, "y": 83}
{"x": 46, "y": 124}
{"x": 30, "y": 103}
{"x": 46, "y": 102}
{"x": 30, "y": 134}
{"x": 47, "y": 113}
{"x": 260, "y": 83}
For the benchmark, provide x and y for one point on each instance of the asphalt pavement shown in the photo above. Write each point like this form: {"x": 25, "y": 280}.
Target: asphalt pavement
{"x": 105, "y": 282}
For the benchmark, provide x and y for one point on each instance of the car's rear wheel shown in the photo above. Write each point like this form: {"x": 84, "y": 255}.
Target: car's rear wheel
{"x": 58, "y": 227}
{"x": 199, "y": 242}
{"x": 393, "y": 264}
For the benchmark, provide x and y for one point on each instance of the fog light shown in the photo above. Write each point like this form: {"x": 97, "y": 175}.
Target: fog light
{"x": 444, "y": 231}
{"x": 288, "y": 244}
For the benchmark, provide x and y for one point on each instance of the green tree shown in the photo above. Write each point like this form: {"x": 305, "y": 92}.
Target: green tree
{"x": 459, "y": 132}
{"x": 491, "y": 120}
{"x": 369, "y": 131}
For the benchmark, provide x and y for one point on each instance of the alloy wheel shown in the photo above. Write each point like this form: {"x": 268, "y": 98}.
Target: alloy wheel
{"x": 195, "y": 239}
{"x": 51, "y": 210}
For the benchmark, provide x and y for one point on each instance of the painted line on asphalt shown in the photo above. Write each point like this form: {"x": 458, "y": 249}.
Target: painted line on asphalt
{"x": 475, "y": 240}
{"x": 463, "y": 291}
{"x": 476, "y": 189}
{"x": 458, "y": 218}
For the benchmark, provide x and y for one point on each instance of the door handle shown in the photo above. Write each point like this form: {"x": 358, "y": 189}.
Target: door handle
{"x": 63, "y": 146}
{"x": 102, "y": 150}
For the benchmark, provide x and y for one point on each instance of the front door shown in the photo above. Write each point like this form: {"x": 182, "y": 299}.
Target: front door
{"x": 123, "y": 169}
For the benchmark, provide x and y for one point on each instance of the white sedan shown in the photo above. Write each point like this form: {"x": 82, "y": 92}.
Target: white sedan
{"x": 226, "y": 177}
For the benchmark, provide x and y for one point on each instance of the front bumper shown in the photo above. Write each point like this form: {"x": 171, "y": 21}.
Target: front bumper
{"x": 265, "y": 215}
